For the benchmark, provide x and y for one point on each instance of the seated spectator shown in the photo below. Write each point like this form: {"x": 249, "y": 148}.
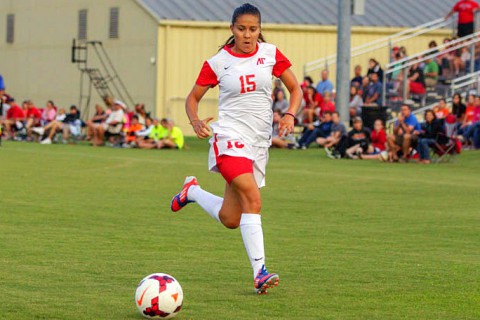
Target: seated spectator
{"x": 416, "y": 80}
{"x": 14, "y": 120}
{"x": 5, "y": 101}
{"x": 99, "y": 117}
{"x": 362, "y": 91}
{"x": 431, "y": 71}
{"x": 174, "y": 138}
{"x": 405, "y": 135}
{"x": 277, "y": 86}
{"x": 49, "y": 113}
{"x": 324, "y": 85}
{"x": 378, "y": 141}
{"x": 458, "y": 109}
{"x": 334, "y": 144}
{"x": 156, "y": 132}
{"x": 327, "y": 105}
{"x": 280, "y": 104}
{"x": 358, "y": 140}
{"x": 320, "y": 129}
{"x": 33, "y": 119}
{"x": 64, "y": 123}
{"x": 131, "y": 134}
{"x": 111, "y": 127}
{"x": 277, "y": 140}
{"x": 312, "y": 102}
{"x": 441, "y": 110}
{"x": 428, "y": 136}
{"x": 375, "y": 68}
{"x": 373, "y": 96}
{"x": 356, "y": 103}
{"x": 471, "y": 134}
{"x": 307, "y": 81}
{"x": 141, "y": 113}
{"x": 358, "y": 78}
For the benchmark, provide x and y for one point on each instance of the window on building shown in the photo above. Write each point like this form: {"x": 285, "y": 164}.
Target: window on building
{"x": 10, "y": 28}
{"x": 82, "y": 24}
{"x": 113, "y": 26}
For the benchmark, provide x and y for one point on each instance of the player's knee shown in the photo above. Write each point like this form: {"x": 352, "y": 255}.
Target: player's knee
{"x": 252, "y": 203}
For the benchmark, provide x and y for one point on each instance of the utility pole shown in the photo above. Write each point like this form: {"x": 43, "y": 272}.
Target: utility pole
{"x": 343, "y": 58}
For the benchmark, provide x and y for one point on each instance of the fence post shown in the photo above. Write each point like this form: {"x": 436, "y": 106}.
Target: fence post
{"x": 405, "y": 81}
{"x": 472, "y": 58}
{"x": 384, "y": 88}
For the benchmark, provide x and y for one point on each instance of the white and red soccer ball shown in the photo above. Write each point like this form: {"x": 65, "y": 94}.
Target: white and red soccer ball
{"x": 159, "y": 296}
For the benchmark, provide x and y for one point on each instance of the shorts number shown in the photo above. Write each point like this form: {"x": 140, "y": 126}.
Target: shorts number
{"x": 237, "y": 145}
{"x": 247, "y": 83}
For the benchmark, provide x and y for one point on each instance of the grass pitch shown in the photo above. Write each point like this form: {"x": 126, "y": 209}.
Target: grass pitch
{"x": 81, "y": 226}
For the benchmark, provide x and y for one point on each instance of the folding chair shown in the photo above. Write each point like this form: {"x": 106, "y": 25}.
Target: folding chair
{"x": 447, "y": 146}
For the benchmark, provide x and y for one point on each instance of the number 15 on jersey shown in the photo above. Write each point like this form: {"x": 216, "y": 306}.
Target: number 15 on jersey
{"x": 247, "y": 83}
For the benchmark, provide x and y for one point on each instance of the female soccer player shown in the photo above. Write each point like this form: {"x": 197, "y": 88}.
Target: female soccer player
{"x": 243, "y": 69}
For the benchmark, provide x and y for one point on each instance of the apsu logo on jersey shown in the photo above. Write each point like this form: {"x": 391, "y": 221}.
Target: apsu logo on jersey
{"x": 260, "y": 61}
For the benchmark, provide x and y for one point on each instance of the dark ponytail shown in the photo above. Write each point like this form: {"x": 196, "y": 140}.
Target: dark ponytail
{"x": 245, "y": 8}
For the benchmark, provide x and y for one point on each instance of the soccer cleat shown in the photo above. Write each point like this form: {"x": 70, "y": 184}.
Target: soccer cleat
{"x": 265, "y": 280}
{"x": 180, "y": 200}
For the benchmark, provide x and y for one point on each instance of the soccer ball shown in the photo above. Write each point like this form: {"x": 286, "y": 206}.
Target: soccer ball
{"x": 159, "y": 296}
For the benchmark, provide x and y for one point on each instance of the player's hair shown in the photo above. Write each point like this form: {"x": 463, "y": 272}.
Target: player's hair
{"x": 245, "y": 8}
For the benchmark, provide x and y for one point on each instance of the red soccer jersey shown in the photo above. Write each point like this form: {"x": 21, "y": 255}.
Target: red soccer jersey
{"x": 379, "y": 139}
{"x": 465, "y": 9}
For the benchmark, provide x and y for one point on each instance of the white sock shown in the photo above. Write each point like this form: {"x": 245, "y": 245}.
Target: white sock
{"x": 209, "y": 202}
{"x": 252, "y": 234}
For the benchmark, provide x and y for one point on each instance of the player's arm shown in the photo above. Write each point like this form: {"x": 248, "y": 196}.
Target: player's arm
{"x": 191, "y": 107}
{"x": 287, "y": 123}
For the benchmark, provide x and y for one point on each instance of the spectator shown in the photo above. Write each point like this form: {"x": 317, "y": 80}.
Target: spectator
{"x": 14, "y": 119}
{"x": 320, "y": 129}
{"x": 335, "y": 143}
{"x": 278, "y": 86}
{"x": 358, "y": 140}
{"x": 277, "y": 140}
{"x": 405, "y": 134}
{"x": 174, "y": 138}
{"x": 432, "y": 45}
{"x": 374, "y": 90}
{"x": 131, "y": 134}
{"x": 431, "y": 71}
{"x": 280, "y": 104}
{"x": 33, "y": 117}
{"x": 441, "y": 110}
{"x": 378, "y": 141}
{"x": 327, "y": 105}
{"x": 363, "y": 89}
{"x": 66, "y": 123}
{"x": 156, "y": 132}
{"x": 97, "y": 119}
{"x": 2, "y": 86}
{"x": 313, "y": 101}
{"x": 356, "y": 103}
{"x": 472, "y": 133}
{"x": 416, "y": 80}
{"x": 466, "y": 16}
{"x": 112, "y": 126}
{"x": 324, "y": 85}
{"x": 358, "y": 78}
{"x": 430, "y": 130}
{"x": 141, "y": 113}
{"x": 49, "y": 113}
{"x": 375, "y": 68}
{"x": 458, "y": 108}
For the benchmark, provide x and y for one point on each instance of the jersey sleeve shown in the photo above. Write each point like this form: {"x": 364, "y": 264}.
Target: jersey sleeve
{"x": 207, "y": 77}
{"x": 281, "y": 64}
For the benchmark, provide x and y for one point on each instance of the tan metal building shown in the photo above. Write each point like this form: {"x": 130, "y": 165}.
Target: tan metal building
{"x": 158, "y": 46}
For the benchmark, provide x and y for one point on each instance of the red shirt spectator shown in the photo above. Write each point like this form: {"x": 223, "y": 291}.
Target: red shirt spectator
{"x": 379, "y": 139}
{"x": 327, "y": 106}
{"x": 15, "y": 112}
{"x": 33, "y": 112}
{"x": 466, "y": 11}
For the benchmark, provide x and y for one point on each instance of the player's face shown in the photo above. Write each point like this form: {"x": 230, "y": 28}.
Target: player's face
{"x": 246, "y": 31}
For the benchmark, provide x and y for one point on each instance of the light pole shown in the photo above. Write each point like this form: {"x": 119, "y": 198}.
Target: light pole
{"x": 343, "y": 58}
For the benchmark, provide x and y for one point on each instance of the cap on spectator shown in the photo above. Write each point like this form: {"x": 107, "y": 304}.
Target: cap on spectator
{"x": 120, "y": 103}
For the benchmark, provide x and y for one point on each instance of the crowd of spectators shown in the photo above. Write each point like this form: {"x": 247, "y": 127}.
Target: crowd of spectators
{"x": 115, "y": 125}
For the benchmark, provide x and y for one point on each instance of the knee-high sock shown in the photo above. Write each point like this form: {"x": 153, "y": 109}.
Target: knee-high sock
{"x": 252, "y": 234}
{"x": 209, "y": 202}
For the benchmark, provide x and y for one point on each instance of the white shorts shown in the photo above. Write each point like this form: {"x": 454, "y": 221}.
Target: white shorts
{"x": 225, "y": 145}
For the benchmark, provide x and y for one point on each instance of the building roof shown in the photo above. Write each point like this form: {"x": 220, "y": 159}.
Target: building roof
{"x": 385, "y": 13}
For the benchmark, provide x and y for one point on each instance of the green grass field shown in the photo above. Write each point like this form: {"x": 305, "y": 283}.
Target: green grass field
{"x": 81, "y": 226}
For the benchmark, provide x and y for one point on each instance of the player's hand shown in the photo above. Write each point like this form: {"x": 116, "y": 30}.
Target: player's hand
{"x": 286, "y": 125}
{"x": 201, "y": 128}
